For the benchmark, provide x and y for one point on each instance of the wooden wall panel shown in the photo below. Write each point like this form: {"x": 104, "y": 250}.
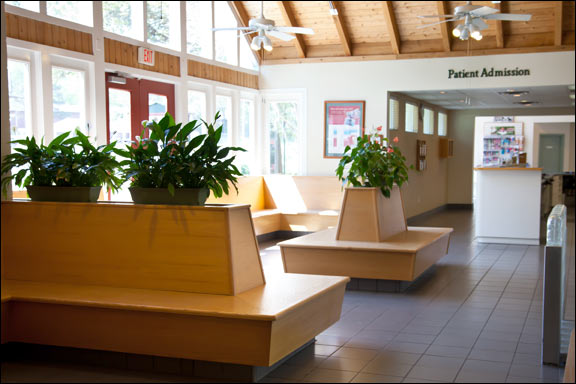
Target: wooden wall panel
{"x": 221, "y": 74}
{"x": 34, "y": 31}
{"x": 117, "y": 52}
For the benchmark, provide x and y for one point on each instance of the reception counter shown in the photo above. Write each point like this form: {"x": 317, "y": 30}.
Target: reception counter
{"x": 507, "y": 205}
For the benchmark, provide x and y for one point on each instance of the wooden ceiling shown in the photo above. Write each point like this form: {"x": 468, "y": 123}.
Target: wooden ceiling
{"x": 377, "y": 30}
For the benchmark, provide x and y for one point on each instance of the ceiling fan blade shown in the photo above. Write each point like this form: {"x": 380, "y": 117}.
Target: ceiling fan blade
{"x": 440, "y": 22}
{"x": 422, "y": 17}
{"x": 479, "y": 23}
{"x": 281, "y": 35}
{"x": 232, "y": 29}
{"x": 306, "y": 31}
{"x": 509, "y": 17}
{"x": 247, "y": 33}
{"x": 483, "y": 11}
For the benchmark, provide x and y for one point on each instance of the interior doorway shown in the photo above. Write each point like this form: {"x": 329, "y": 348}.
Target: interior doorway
{"x": 130, "y": 101}
{"x": 551, "y": 153}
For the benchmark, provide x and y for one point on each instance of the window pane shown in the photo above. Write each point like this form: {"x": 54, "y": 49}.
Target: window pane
{"x": 68, "y": 98}
{"x": 198, "y": 28}
{"x": 428, "y": 121}
{"x": 394, "y": 118}
{"x": 124, "y": 18}
{"x": 29, "y": 5}
{"x": 226, "y": 41}
{"x": 442, "y": 124}
{"x": 120, "y": 116}
{"x": 19, "y": 99}
{"x": 75, "y": 11}
{"x": 245, "y": 160}
{"x": 224, "y": 106}
{"x": 411, "y": 118}
{"x": 197, "y": 109}
{"x": 157, "y": 107}
{"x": 284, "y": 145}
{"x": 247, "y": 59}
{"x": 164, "y": 23}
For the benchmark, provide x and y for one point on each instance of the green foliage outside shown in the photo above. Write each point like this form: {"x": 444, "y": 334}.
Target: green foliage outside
{"x": 373, "y": 164}
{"x": 65, "y": 162}
{"x": 171, "y": 159}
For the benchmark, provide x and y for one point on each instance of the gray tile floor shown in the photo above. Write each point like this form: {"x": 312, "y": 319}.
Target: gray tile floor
{"x": 477, "y": 319}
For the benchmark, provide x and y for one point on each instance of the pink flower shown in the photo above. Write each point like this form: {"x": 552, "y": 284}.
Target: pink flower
{"x": 379, "y": 128}
{"x": 396, "y": 139}
{"x": 390, "y": 150}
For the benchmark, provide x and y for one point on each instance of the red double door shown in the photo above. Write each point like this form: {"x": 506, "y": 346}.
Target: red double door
{"x": 131, "y": 101}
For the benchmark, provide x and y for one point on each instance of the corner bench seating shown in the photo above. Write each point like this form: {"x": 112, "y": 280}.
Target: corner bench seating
{"x": 172, "y": 281}
{"x": 288, "y": 203}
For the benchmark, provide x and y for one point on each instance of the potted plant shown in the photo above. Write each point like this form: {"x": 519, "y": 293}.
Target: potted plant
{"x": 376, "y": 170}
{"x": 171, "y": 167}
{"x": 67, "y": 169}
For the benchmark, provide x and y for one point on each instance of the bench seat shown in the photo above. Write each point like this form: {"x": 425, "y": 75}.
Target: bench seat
{"x": 257, "y": 327}
{"x": 404, "y": 256}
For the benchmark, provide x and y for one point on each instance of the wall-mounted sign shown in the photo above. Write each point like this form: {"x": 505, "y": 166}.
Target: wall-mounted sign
{"x": 485, "y": 72}
{"x": 145, "y": 56}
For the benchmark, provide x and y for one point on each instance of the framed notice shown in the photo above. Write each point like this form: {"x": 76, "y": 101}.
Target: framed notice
{"x": 343, "y": 123}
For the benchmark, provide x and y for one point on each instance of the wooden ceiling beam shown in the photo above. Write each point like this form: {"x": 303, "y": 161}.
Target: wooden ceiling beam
{"x": 558, "y": 16}
{"x": 499, "y": 30}
{"x": 342, "y": 31}
{"x": 443, "y": 10}
{"x": 290, "y": 21}
{"x": 392, "y": 26}
{"x": 243, "y": 19}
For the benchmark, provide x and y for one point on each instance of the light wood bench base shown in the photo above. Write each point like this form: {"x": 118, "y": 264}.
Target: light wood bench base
{"x": 257, "y": 328}
{"x": 403, "y": 257}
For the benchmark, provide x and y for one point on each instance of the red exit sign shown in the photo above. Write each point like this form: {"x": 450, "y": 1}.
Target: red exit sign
{"x": 145, "y": 56}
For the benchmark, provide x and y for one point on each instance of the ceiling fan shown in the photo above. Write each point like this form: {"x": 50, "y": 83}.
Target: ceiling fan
{"x": 474, "y": 16}
{"x": 264, "y": 27}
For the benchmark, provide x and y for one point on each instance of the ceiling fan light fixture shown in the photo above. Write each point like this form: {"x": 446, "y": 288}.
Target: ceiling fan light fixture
{"x": 267, "y": 43}
{"x": 457, "y": 32}
{"x": 256, "y": 43}
{"x": 476, "y": 35}
{"x": 465, "y": 34}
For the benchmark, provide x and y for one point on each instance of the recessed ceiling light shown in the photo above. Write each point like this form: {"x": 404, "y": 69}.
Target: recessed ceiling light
{"x": 442, "y": 92}
{"x": 527, "y": 102}
{"x": 514, "y": 93}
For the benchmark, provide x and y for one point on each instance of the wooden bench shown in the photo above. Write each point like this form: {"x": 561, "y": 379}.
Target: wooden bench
{"x": 172, "y": 281}
{"x": 372, "y": 241}
{"x": 288, "y": 203}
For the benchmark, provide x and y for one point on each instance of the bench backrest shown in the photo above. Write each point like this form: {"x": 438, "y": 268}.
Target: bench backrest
{"x": 173, "y": 248}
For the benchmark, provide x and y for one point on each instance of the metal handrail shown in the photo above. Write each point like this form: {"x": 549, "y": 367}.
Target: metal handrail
{"x": 554, "y": 279}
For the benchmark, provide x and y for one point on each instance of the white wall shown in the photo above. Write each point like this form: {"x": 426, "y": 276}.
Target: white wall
{"x": 371, "y": 80}
{"x": 533, "y": 127}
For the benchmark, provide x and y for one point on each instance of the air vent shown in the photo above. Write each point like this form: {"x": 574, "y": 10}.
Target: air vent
{"x": 527, "y": 103}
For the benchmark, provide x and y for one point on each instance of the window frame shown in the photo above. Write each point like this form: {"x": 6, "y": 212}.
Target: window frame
{"x": 390, "y": 100}
{"x": 415, "y": 117}
{"x": 424, "y": 121}
{"x": 445, "y": 132}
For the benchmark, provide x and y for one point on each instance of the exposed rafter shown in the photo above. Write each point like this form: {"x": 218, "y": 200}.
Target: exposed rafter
{"x": 243, "y": 19}
{"x": 290, "y": 21}
{"x": 558, "y": 16}
{"x": 392, "y": 26}
{"x": 341, "y": 27}
{"x": 499, "y": 30}
{"x": 443, "y": 10}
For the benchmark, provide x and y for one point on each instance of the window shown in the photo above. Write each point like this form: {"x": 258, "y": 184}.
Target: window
{"x": 163, "y": 20}
{"x": 285, "y": 147}
{"x": 245, "y": 160}
{"x": 68, "y": 100}
{"x": 29, "y": 5}
{"x": 393, "y": 114}
{"x": 19, "y": 98}
{"x": 120, "y": 116}
{"x": 442, "y": 124}
{"x": 75, "y": 11}
{"x": 428, "y": 121}
{"x": 226, "y": 42}
{"x": 224, "y": 106}
{"x": 198, "y": 28}
{"x": 411, "y": 121}
{"x": 197, "y": 109}
{"x": 247, "y": 59}
{"x": 124, "y": 18}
